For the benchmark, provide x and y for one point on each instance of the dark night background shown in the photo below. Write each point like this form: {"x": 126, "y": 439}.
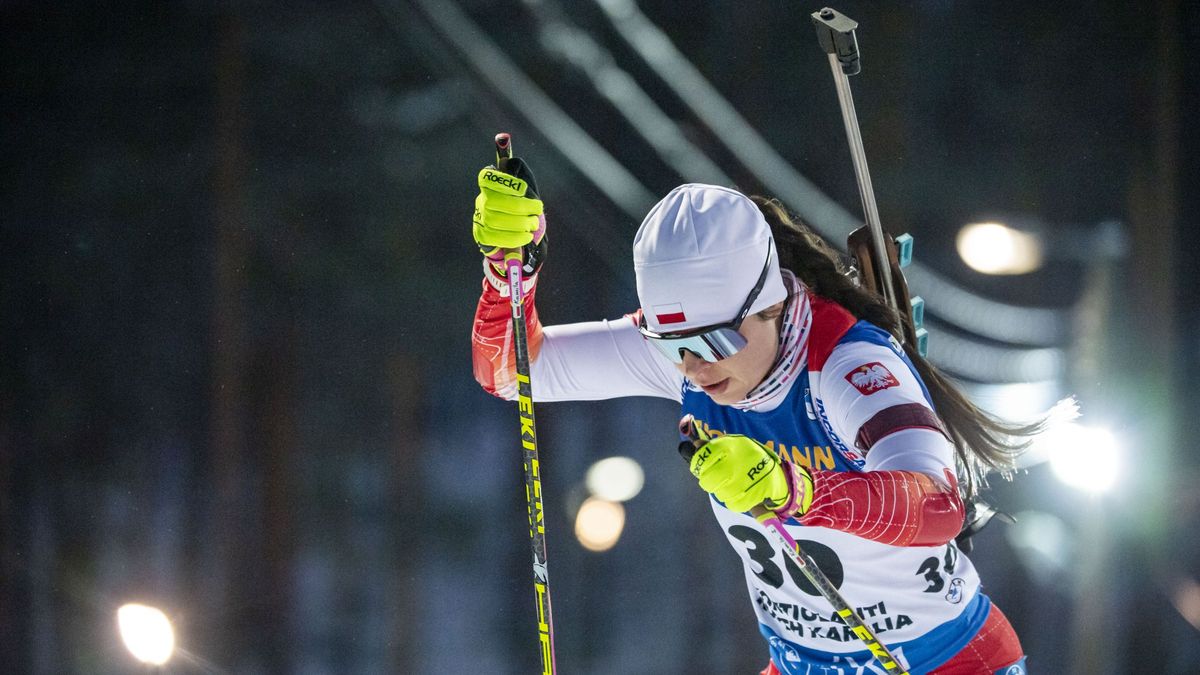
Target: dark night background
{"x": 237, "y": 281}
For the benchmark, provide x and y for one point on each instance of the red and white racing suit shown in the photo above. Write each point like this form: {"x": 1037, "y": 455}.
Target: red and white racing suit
{"x": 845, "y": 402}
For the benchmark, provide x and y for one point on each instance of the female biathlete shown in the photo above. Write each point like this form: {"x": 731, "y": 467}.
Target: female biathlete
{"x": 814, "y": 408}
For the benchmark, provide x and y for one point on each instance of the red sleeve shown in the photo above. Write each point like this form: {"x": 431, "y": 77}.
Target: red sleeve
{"x": 899, "y": 508}
{"x": 492, "y": 350}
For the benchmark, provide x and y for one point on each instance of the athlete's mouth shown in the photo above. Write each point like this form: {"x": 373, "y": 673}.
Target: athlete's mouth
{"x": 715, "y": 387}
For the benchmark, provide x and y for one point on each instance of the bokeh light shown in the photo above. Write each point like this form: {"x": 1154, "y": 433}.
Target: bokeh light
{"x": 616, "y": 479}
{"x": 147, "y": 633}
{"x": 1186, "y": 598}
{"x": 1084, "y": 457}
{"x": 1043, "y": 543}
{"x": 993, "y": 248}
{"x": 599, "y": 524}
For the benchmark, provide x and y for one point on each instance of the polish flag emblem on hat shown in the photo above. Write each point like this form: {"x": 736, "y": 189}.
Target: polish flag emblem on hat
{"x": 669, "y": 314}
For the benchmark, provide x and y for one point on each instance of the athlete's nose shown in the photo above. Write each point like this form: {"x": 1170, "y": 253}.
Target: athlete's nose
{"x": 692, "y": 364}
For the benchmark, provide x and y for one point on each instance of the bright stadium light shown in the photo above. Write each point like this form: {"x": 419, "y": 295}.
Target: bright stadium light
{"x": 1028, "y": 401}
{"x": 1084, "y": 457}
{"x": 616, "y": 479}
{"x": 147, "y": 633}
{"x": 993, "y": 248}
{"x": 599, "y": 523}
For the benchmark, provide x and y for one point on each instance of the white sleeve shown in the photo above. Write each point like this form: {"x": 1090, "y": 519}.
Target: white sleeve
{"x": 598, "y": 360}
{"x": 862, "y": 379}
{"x": 922, "y": 450}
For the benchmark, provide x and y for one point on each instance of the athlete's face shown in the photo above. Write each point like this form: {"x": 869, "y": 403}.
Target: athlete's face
{"x": 729, "y": 380}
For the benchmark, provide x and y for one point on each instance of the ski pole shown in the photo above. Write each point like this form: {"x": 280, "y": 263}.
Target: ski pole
{"x": 689, "y": 429}
{"x": 513, "y": 261}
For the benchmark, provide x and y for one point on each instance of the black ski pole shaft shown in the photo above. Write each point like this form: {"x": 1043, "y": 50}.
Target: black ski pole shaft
{"x": 513, "y": 261}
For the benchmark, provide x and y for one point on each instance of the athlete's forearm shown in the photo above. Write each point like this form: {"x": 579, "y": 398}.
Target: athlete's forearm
{"x": 492, "y": 350}
{"x": 900, "y": 508}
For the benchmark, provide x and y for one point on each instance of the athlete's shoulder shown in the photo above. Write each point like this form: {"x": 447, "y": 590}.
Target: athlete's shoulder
{"x": 863, "y": 340}
{"x": 834, "y": 328}
{"x": 870, "y": 360}
{"x": 830, "y": 324}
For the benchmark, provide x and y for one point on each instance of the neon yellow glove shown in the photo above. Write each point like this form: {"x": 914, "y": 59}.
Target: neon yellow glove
{"x": 508, "y": 213}
{"x": 743, "y": 473}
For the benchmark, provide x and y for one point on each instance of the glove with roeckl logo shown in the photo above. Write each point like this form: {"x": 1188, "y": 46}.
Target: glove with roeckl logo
{"x": 743, "y": 473}
{"x": 509, "y": 215}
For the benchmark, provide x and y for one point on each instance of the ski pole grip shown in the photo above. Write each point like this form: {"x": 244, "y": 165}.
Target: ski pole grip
{"x": 690, "y": 438}
{"x": 504, "y": 151}
{"x": 835, "y": 33}
{"x": 513, "y": 256}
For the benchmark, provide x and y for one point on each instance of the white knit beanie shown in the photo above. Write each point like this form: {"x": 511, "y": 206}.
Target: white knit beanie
{"x": 697, "y": 256}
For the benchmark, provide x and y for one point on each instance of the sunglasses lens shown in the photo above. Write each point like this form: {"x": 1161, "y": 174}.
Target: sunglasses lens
{"x": 720, "y": 343}
{"x": 673, "y": 349}
{"x": 724, "y": 342}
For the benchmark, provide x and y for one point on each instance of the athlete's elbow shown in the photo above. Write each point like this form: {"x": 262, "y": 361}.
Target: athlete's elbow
{"x": 942, "y": 518}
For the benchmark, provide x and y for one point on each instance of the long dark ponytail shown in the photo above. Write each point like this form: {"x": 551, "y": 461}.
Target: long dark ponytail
{"x": 982, "y": 441}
